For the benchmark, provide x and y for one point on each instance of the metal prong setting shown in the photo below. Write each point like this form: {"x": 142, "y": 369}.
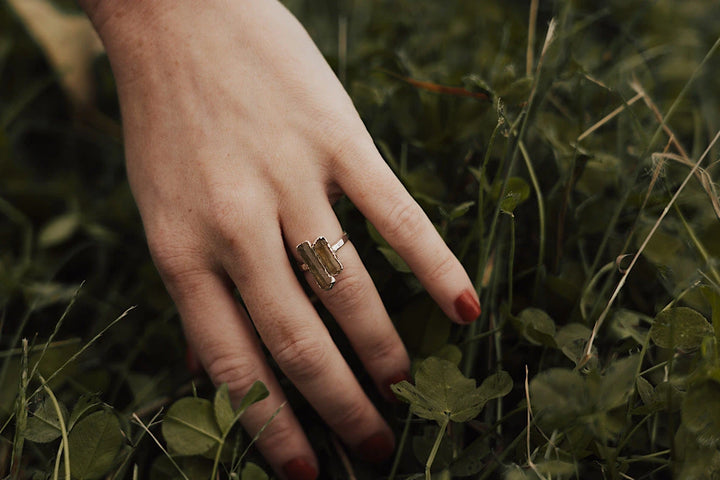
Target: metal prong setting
{"x": 320, "y": 260}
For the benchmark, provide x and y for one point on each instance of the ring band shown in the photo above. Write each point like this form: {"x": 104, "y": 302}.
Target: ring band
{"x": 320, "y": 260}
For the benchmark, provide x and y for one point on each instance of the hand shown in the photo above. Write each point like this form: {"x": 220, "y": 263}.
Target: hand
{"x": 238, "y": 138}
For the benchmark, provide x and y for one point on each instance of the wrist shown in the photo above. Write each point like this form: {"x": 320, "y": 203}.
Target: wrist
{"x": 100, "y": 11}
{"x": 118, "y": 21}
{"x": 128, "y": 29}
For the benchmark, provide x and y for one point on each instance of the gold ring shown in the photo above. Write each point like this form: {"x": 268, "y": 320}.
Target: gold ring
{"x": 319, "y": 259}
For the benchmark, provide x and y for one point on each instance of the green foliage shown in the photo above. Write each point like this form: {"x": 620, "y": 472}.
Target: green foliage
{"x": 94, "y": 443}
{"x": 583, "y": 405}
{"x": 252, "y": 472}
{"x": 190, "y": 427}
{"x": 44, "y": 424}
{"x": 224, "y": 414}
{"x": 195, "y": 426}
{"x": 701, "y": 413}
{"x": 682, "y": 328}
{"x": 516, "y": 192}
{"x": 545, "y": 174}
{"x": 442, "y": 392}
{"x": 537, "y": 327}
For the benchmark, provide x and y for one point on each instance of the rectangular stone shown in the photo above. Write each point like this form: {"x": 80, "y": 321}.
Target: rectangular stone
{"x": 323, "y": 279}
{"x": 327, "y": 256}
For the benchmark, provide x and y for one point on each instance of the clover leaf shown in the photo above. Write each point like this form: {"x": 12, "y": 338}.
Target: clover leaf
{"x": 681, "y": 328}
{"x": 442, "y": 392}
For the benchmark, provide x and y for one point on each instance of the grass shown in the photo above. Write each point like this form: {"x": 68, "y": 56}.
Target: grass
{"x": 576, "y": 180}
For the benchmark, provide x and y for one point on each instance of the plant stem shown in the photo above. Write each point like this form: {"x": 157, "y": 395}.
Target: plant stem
{"x": 511, "y": 263}
{"x": 481, "y": 202}
{"x": 541, "y": 216}
{"x": 664, "y": 213}
{"x": 401, "y": 446}
{"x": 653, "y": 368}
{"x": 698, "y": 244}
{"x": 522, "y": 121}
{"x": 59, "y": 344}
{"x": 626, "y": 195}
{"x": 650, "y": 457}
{"x": 510, "y": 448}
{"x": 82, "y": 350}
{"x": 56, "y": 468}
{"x": 20, "y": 414}
{"x": 147, "y": 430}
{"x": 436, "y": 446}
{"x": 63, "y": 428}
{"x": 56, "y": 330}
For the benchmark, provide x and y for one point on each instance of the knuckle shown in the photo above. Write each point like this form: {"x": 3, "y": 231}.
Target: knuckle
{"x": 277, "y": 433}
{"x": 345, "y": 142}
{"x": 441, "y": 267}
{"x": 350, "y": 415}
{"x": 165, "y": 255}
{"x": 234, "y": 370}
{"x": 333, "y": 121}
{"x": 336, "y": 119}
{"x": 178, "y": 265}
{"x": 302, "y": 359}
{"x": 404, "y": 221}
{"x": 350, "y": 291}
{"x": 234, "y": 224}
{"x": 384, "y": 348}
{"x": 220, "y": 201}
{"x": 223, "y": 212}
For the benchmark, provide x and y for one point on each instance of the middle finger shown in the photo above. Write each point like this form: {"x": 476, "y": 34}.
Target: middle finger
{"x": 303, "y": 348}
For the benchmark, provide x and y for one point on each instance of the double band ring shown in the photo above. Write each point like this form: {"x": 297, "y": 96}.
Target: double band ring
{"x": 320, "y": 260}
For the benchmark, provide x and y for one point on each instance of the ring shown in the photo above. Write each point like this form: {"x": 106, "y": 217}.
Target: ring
{"x": 320, "y": 260}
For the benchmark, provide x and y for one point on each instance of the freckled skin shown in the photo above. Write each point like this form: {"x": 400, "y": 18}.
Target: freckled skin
{"x": 237, "y": 141}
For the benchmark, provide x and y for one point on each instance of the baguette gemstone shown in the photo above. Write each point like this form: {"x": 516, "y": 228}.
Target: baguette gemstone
{"x": 315, "y": 266}
{"x": 327, "y": 256}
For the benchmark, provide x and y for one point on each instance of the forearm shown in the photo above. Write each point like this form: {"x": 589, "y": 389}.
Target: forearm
{"x": 151, "y": 35}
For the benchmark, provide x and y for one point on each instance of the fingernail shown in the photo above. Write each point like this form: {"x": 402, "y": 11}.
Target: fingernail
{"x": 299, "y": 469}
{"x": 467, "y": 307}
{"x": 399, "y": 377}
{"x": 376, "y": 448}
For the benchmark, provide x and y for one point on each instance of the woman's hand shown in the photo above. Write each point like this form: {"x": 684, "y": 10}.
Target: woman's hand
{"x": 238, "y": 137}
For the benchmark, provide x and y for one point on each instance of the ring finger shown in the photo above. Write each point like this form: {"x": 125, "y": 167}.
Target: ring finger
{"x": 299, "y": 342}
{"x": 353, "y": 299}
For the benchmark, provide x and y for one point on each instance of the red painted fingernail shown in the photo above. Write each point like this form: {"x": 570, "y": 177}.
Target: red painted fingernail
{"x": 299, "y": 469}
{"x": 399, "y": 377}
{"x": 376, "y": 448}
{"x": 467, "y": 307}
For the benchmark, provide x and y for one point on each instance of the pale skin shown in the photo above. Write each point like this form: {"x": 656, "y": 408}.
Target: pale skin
{"x": 238, "y": 137}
